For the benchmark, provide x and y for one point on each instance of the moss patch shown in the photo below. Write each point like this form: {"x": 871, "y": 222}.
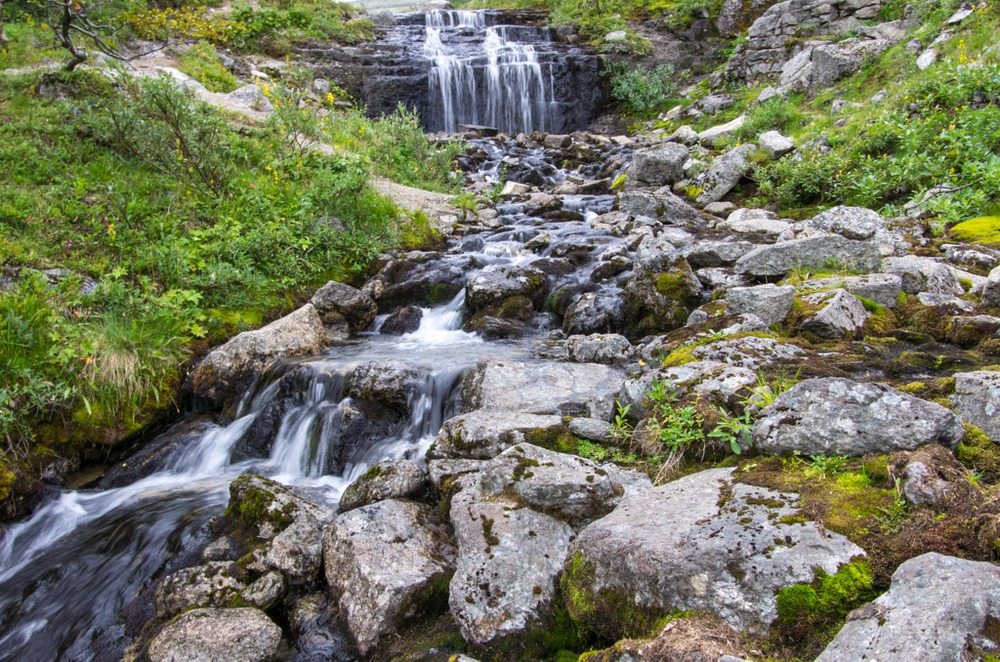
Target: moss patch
{"x": 982, "y": 230}
{"x": 814, "y": 611}
{"x": 979, "y": 453}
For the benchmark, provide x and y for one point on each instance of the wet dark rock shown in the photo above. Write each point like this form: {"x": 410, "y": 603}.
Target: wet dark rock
{"x": 419, "y": 281}
{"x": 338, "y": 303}
{"x": 660, "y": 295}
{"x": 390, "y": 479}
{"x": 154, "y": 454}
{"x": 405, "y": 320}
{"x": 594, "y": 313}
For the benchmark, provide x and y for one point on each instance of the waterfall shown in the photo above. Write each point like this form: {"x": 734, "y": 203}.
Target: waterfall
{"x": 486, "y": 77}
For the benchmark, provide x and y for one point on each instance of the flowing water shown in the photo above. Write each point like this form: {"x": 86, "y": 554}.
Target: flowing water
{"x": 70, "y": 574}
{"x": 483, "y": 69}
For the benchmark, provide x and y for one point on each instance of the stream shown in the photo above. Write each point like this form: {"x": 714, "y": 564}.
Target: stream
{"x": 71, "y": 575}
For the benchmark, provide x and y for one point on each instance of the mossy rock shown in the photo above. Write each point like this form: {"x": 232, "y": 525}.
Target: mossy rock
{"x": 603, "y": 612}
{"x": 979, "y": 453}
{"x": 981, "y": 230}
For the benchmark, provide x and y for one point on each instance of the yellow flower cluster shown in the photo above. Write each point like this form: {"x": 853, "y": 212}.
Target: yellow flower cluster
{"x": 162, "y": 24}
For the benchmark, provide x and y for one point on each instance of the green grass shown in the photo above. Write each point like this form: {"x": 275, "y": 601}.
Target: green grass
{"x": 191, "y": 229}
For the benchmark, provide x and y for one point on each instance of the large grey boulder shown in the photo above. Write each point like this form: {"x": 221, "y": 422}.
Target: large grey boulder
{"x": 702, "y": 542}
{"x": 990, "y": 295}
{"x": 769, "y": 302}
{"x": 382, "y": 562}
{"x": 211, "y": 585}
{"x": 977, "y": 400}
{"x": 389, "y": 479}
{"x": 924, "y": 274}
{"x": 756, "y": 222}
{"x": 227, "y": 372}
{"x": 514, "y": 520}
{"x": 883, "y": 289}
{"x": 485, "y": 434}
{"x": 936, "y": 608}
{"x": 493, "y": 287}
{"x": 719, "y": 383}
{"x": 609, "y": 348}
{"x": 716, "y": 253}
{"x": 725, "y": 173}
{"x": 751, "y": 352}
{"x": 339, "y": 304}
{"x": 834, "y": 416}
{"x": 663, "y": 164}
{"x": 544, "y": 388}
{"x": 775, "y": 144}
{"x": 810, "y": 253}
{"x": 850, "y": 222}
{"x": 834, "y": 314}
{"x": 660, "y": 294}
{"x": 833, "y": 62}
{"x": 217, "y": 635}
{"x": 711, "y": 135}
{"x": 661, "y": 204}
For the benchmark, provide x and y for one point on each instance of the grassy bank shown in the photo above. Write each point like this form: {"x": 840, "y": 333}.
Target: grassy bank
{"x": 172, "y": 227}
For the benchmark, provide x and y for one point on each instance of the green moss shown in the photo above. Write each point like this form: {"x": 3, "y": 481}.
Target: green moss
{"x": 558, "y": 439}
{"x": 603, "y": 612}
{"x": 977, "y": 451}
{"x": 418, "y": 233}
{"x": 672, "y": 286}
{"x": 982, "y": 230}
{"x": 815, "y": 610}
{"x": 7, "y": 479}
{"x": 437, "y": 293}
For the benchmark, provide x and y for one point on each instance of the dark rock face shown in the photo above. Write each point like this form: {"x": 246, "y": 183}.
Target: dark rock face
{"x": 396, "y": 70}
{"x": 404, "y": 320}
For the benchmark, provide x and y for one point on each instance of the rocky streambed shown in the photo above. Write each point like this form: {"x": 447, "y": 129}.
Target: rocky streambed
{"x": 422, "y": 468}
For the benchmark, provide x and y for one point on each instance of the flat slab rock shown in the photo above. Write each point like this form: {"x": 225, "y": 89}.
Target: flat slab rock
{"x": 834, "y": 416}
{"x": 544, "y": 388}
{"x": 699, "y": 543}
{"x": 485, "y": 434}
{"x": 380, "y": 560}
{"x": 934, "y": 608}
{"x": 810, "y": 253}
{"x": 217, "y": 635}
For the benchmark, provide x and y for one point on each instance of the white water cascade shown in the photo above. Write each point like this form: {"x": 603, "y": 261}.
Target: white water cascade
{"x": 482, "y": 75}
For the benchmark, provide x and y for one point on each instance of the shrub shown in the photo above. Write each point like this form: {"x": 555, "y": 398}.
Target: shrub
{"x": 201, "y": 62}
{"x": 640, "y": 90}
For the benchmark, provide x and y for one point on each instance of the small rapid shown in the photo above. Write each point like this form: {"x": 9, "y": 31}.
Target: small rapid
{"x": 76, "y": 578}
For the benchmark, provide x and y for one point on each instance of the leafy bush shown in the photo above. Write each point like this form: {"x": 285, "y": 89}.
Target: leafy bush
{"x": 773, "y": 115}
{"x": 640, "y": 90}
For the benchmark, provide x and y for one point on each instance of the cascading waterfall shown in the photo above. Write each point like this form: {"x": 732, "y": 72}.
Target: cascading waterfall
{"x": 501, "y": 83}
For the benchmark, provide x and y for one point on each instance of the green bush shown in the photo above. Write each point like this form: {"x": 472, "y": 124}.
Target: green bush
{"x": 772, "y": 115}
{"x": 640, "y": 90}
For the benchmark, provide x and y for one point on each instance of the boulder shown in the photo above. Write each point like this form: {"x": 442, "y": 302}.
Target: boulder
{"x": 834, "y": 416}
{"x": 769, "y": 302}
{"x": 661, "y": 293}
{"x": 702, "y": 542}
{"x": 339, "y": 304}
{"x": 725, "y": 173}
{"x": 227, "y": 372}
{"x": 775, "y": 144}
{"x": 594, "y": 313}
{"x": 749, "y": 352}
{"x": 924, "y": 274}
{"x": 491, "y": 288}
{"x": 563, "y": 389}
{"x": 211, "y": 585}
{"x": 598, "y": 348}
{"x": 833, "y": 62}
{"x": 383, "y": 564}
{"x": 514, "y": 520}
{"x": 405, "y": 320}
{"x": 883, "y": 289}
{"x": 936, "y": 610}
{"x": 248, "y": 98}
{"x": 816, "y": 252}
{"x": 265, "y": 592}
{"x": 716, "y": 253}
{"x": 970, "y": 330}
{"x": 485, "y": 434}
{"x": 990, "y": 296}
{"x": 387, "y": 383}
{"x": 663, "y": 164}
{"x": 719, "y": 383}
{"x": 977, "y": 400}
{"x": 850, "y": 222}
{"x": 662, "y": 204}
{"x": 217, "y": 635}
{"x": 389, "y": 479}
{"x": 709, "y": 136}
{"x": 833, "y": 314}
{"x": 756, "y": 221}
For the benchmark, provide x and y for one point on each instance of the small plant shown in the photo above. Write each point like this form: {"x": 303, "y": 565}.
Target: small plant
{"x": 767, "y": 391}
{"x": 827, "y": 465}
{"x": 640, "y": 90}
{"x": 734, "y": 429}
{"x": 591, "y": 451}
